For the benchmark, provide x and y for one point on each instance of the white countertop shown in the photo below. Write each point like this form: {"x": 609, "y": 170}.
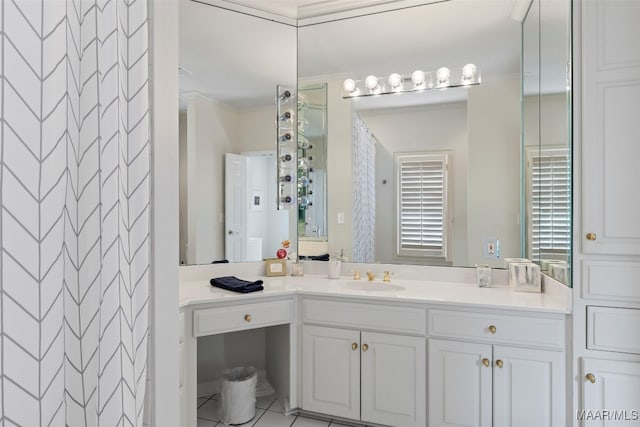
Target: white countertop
{"x": 555, "y": 299}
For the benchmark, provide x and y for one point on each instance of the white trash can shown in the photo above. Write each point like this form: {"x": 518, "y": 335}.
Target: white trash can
{"x": 237, "y": 404}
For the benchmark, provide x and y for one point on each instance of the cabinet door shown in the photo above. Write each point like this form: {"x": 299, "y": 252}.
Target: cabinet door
{"x": 613, "y": 398}
{"x": 610, "y": 149}
{"x": 460, "y": 389}
{"x": 528, "y": 387}
{"x": 331, "y": 371}
{"x": 393, "y": 380}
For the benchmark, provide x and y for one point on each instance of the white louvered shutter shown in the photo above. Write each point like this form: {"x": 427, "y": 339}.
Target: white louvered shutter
{"x": 550, "y": 208}
{"x": 422, "y": 204}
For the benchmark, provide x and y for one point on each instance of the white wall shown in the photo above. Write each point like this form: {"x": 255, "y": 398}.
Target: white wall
{"x": 339, "y": 125}
{"x": 256, "y": 129}
{"x": 427, "y": 128}
{"x": 493, "y": 191}
{"x": 211, "y": 132}
{"x": 552, "y": 120}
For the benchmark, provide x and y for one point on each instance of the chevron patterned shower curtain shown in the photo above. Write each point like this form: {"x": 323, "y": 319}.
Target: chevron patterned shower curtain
{"x": 74, "y": 220}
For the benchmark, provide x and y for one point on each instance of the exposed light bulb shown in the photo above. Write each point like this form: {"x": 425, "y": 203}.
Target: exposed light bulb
{"x": 442, "y": 77}
{"x": 417, "y": 78}
{"x": 371, "y": 82}
{"x": 349, "y": 85}
{"x": 395, "y": 81}
{"x": 468, "y": 74}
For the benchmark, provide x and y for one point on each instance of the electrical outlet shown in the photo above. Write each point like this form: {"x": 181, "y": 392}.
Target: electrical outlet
{"x": 340, "y": 217}
{"x": 491, "y": 247}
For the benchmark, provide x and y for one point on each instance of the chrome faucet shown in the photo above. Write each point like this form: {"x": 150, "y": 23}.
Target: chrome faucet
{"x": 370, "y": 276}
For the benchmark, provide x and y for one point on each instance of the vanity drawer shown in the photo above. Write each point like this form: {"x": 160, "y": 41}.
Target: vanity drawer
{"x": 365, "y": 316}
{"x": 613, "y": 329}
{"x": 500, "y": 329}
{"x": 219, "y": 320}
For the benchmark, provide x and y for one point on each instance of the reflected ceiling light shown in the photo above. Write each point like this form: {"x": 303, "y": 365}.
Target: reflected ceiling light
{"x": 420, "y": 80}
{"x": 395, "y": 81}
{"x": 349, "y": 85}
{"x": 371, "y": 82}
{"x": 468, "y": 74}
{"x": 442, "y": 77}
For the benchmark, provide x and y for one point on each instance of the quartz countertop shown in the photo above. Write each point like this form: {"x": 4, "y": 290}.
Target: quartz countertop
{"x": 555, "y": 299}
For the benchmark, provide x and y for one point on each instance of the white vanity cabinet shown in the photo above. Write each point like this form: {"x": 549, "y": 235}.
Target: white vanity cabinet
{"x": 377, "y": 377}
{"x": 496, "y": 370}
{"x": 606, "y": 325}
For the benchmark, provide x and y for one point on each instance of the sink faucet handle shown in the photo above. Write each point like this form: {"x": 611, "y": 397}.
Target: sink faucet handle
{"x": 370, "y": 276}
{"x": 356, "y": 274}
{"x": 387, "y": 276}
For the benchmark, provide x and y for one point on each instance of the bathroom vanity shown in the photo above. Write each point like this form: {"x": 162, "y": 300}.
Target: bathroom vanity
{"x": 411, "y": 352}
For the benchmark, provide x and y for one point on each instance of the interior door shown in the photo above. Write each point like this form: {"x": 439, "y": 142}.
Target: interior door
{"x": 393, "y": 379}
{"x": 235, "y": 207}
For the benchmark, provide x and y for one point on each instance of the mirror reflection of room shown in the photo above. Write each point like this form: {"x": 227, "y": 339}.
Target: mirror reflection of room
{"x": 227, "y": 134}
{"x": 493, "y": 147}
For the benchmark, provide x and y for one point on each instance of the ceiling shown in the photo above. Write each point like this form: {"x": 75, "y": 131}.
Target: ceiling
{"x": 239, "y": 59}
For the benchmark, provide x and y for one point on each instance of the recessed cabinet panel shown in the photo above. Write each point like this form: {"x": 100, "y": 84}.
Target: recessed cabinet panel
{"x": 460, "y": 391}
{"x": 365, "y": 316}
{"x": 611, "y": 280}
{"x": 613, "y": 329}
{"x": 393, "y": 379}
{"x": 528, "y": 387}
{"x": 331, "y": 371}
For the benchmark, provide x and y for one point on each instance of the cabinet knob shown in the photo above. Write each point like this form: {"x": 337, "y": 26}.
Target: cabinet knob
{"x": 492, "y": 329}
{"x": 486, "y": 362}
{"x": 591, "y": 378}
{"x": 365, "y": 347}
{"x": 591, "y": 236}
{"x": 499, "y": 363}
{"x": 247, "y": 317}
{"x": 354, "y": 346}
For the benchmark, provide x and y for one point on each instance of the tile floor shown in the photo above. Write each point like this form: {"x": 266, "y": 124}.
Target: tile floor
{"x": 268, "y": 414}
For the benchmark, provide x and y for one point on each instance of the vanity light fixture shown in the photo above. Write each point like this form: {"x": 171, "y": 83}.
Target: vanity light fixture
{"x": 417, "y": 81}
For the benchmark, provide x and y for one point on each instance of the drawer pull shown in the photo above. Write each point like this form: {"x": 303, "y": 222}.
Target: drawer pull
{"x": 486, "y": 362}
{"x": 247, "y": 317}
{"x": 354, "y": 346}
{"x": 492, "y": 329}
{"x": 365, "y": 347}
{"x": 591, "y": 236}
{"x": 499, "y": 363}
{"x": 591, "y": 378}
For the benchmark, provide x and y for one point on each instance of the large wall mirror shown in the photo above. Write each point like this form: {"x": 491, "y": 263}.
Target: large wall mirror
{"x": 494, "y": 202}
{"x": 496, "y": 138}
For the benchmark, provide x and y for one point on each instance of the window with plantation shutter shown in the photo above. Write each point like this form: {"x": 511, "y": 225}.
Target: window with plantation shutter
{"x": 549, "y": 206}
{"x": 421, "y": 199}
